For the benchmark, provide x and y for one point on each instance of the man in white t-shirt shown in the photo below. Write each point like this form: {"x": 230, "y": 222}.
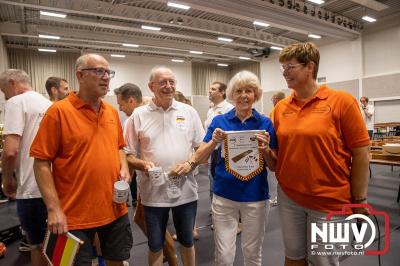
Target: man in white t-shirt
{"x": 367, "y": 111}
{"x": 24, "y": 110}
{"x": 164, "y": 134}
{"x": 217, "y": 96}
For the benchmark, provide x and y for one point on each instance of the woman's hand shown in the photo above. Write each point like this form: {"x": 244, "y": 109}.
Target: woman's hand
{"x": 263, "y": 141}
{"x": 218, "y": 135}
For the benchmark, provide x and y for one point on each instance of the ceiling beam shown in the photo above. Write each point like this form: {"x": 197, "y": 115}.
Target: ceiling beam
{"x": 91, "y": 23}
{"x": 8, "y": 28}
{"x": 142, "y": 15}
{"x": 280, "y": 17}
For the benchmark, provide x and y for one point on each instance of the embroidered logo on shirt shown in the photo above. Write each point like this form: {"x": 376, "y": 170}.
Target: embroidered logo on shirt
{"x": 321, "y": 110}
{"x": 286, "y": 113}
{"x": 180, "y": 122}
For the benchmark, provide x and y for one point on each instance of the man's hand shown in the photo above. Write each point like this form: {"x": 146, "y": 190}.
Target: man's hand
{"x": 57, "y": 221}
{"x": 10, "y": 187}
{"x": 146, "y": 166}
{"x": 125, "y": 175}
{"x": 180, "y": 169}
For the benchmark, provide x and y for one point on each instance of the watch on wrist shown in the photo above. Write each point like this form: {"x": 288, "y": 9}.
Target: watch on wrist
{"x": 192, "y": 165}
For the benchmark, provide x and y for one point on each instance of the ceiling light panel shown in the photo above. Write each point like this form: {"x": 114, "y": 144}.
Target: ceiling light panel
{"x": 314, "y": 36}
{"x": 318, "y": 2}
{"x": 276, "y": 48}
{"x": 225, "y": 39}
{"x": 130, "y": 45}
{"x": 146, "y": 27}
{"x": 47, "y": 50}
{"x": 368, "y": 18}
{"x": 52, "y": 14}
{"x": 196, "y": 52}
{"x": 260, "y": 23}
{"x": 176, "y": 5}
{"x": 118, "y": 55}
{"x": 53, "y": 37}
{"x": 177, "y": 60}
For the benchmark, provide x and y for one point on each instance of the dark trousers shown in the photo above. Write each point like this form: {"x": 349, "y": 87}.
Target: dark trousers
{"x": 133, "y": 186}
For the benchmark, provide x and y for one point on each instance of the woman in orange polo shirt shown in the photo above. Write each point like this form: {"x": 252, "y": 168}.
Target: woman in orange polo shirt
{"x": 322, "y": 154}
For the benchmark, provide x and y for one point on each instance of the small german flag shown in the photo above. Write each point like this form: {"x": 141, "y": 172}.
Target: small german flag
{"x": 60, "y": 250}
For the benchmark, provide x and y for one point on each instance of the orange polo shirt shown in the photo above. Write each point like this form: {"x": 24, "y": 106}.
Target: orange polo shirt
{"x": 314, "y": 148}
{"x": 83, "y": 148}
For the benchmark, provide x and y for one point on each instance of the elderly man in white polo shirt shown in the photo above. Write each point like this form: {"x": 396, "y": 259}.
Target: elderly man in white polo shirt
{"x": 164, "y": 134}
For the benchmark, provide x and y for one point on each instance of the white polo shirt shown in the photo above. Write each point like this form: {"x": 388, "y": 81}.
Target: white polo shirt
{"x": 165, "y": 138}
{"x": 221, "y": 108}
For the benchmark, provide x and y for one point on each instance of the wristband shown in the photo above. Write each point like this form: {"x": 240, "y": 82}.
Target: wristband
{"x": 360, "y": 200}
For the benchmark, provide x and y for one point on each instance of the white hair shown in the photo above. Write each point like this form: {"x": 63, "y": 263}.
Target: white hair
{"x": 244, "y": 79}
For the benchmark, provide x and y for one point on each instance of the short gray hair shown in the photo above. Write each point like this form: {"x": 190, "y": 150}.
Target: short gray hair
{"x": 156, "y": 69}
{"x": 15, "y": 74}
{"x": 244, "y": 79}
{"x": 81, "y": 62}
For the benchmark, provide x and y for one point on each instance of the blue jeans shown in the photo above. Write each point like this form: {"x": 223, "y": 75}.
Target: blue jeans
{"x": 32, "y": 214}
{"x": 184, "y": 217}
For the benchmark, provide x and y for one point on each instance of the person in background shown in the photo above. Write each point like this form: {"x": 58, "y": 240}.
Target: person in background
{"x": 24, "y": 110}
{"x": 323, "y": 157}
{"x": 217, "y": 96}
{"x": 129, "y": 96}
{"x": 234, "y": 197}
{"x": 367, "y": 112}
{"x": 164, "y": 133}
{"x": 180, "y": 97}
{"x": 57, "y": 88}
{"x": 276, "y": 97}
{"x": 78, "y": 186}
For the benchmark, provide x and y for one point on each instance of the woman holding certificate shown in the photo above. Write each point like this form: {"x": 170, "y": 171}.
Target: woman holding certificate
{"x": 246, "y": 143}
{"x": 322, "y": 157}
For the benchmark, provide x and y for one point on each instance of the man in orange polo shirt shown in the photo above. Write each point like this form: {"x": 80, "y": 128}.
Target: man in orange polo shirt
{"x": 78, "y": 158}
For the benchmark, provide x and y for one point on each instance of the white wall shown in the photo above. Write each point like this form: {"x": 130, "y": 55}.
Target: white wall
{"x": 387, "y": 111}
{"x": 381, "y": 51}
{"x": 3, "y": 56}
{"x": 271, "y": 76}
{"x": 136, "y": 69}
{"x": 341, "y": 61}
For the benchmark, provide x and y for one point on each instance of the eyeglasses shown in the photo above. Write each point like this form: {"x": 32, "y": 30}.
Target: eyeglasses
{"x": 100, "y": 71}
{"x": 164, "y": 83}
{"x": 289, "y": 67}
